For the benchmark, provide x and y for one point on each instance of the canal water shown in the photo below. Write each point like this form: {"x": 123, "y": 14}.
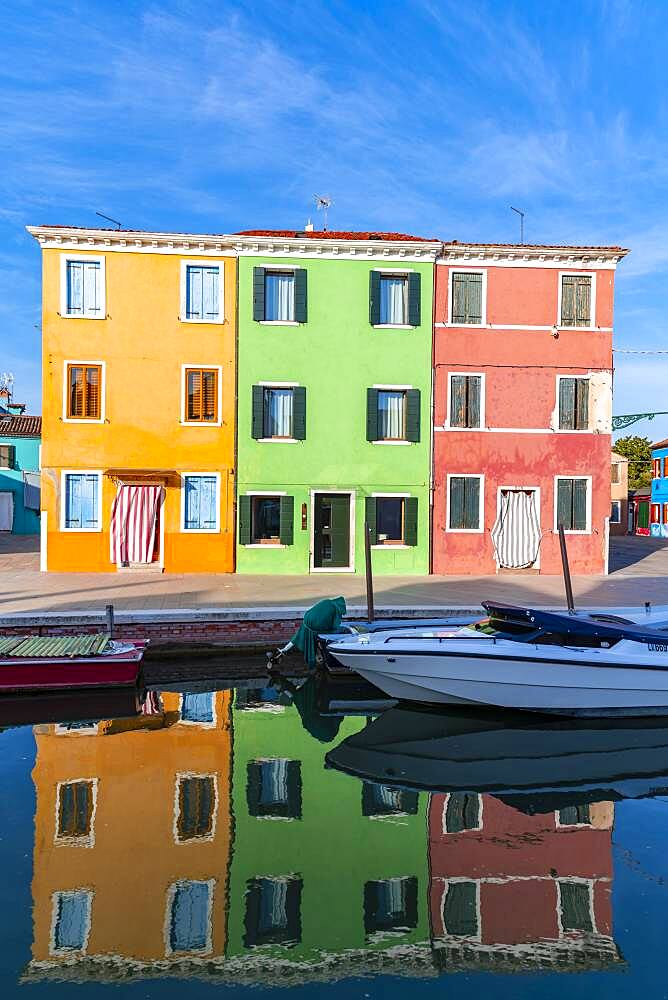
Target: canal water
{"x": 207, "y": 840}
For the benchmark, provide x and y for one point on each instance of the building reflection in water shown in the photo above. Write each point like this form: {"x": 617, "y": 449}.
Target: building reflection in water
{"x": 206, "y": 838}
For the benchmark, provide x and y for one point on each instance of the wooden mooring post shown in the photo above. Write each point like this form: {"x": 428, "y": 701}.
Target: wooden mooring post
{"x": 110, "y": 620}
{"x": 369, "y": 574}
{"x": 566, "y": 569}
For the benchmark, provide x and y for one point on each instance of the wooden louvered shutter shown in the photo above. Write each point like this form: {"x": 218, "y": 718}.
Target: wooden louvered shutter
{"x": 209, "y": 396}
{"x": 412, "y": 414}
{"x": 374, "y": 300}
{"x": 76, "y": 391}
{"x": 257, "y": 420}
{"x": 6, "y": 456}
{"x": 456, "y": 503}
{"x": 565, "y": 503}
{"x": 92, "y": 403}
{"x": 568, "y": 282}
{"x": 471, "y": 502}
{"x": 372, "y": 414}
{"x": 301, "y": 304}
{"x": 458, "y": 313}
{"x": 567, "y": 404}
{"x": 583, "y": 315}
{"x": 473, "y": 298}
{"x": 258, "y": 294}
{"x": 414, "y": 298}
{"x": 581, "y": 404}
{"x": 193, "y": 394}
{"x": 286, "y": 520}
{"x": 458, "y": 400}
{"x": 410, "y": 520}
{"x": 299, "y": 413}
{"x": 244, "y": 515}
{"x": 579, "y": 505}
{"x": 473, "y": 387}
{"x": 370, "y": 515}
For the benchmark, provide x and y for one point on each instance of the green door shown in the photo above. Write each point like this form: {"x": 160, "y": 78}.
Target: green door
{"x": 331, "y": 531}
{"x": 643, "y": 514}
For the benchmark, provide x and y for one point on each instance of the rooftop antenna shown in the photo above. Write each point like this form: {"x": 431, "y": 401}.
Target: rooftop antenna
{"x": 109, "y": 219}
{"x": 322, "y": 203}
{"x": 7, "y": 382}
{"x": 521, "y": 215}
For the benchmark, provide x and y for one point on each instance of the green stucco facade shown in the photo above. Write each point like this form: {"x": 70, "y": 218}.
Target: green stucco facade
{"x": 334, "y": 849}
{"x": 337, "y": 355}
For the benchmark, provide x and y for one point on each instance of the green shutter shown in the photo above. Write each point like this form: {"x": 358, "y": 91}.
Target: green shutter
{"x": 474, "y": 385}
{"x": 374, "y": 298}
{"x": 460, "y": 909}
{"x": 582, "y": 404}
{"x": 456, "y": 505}
{"x": 413, "y": 298}
{"x": 372, "y": 414}
{"x": 244, "y": 515}
{"x": 287, "y": 520}
{"x": 474, "y": 298}
{"x": 412, "y": 414}
{"x": 458, "y": 312}
{"x": 565, "y": 503}
{"x": 583, "y": 315}
{"x": 299, "y": 413}
{"x": 258, "y": 294}
{"x": 579, "y": 504}
{"x": 458, "y": 401}
{"x": 568, "y": 300}
{"x": 300, "y": 295}
{"x": 567, "y": 404}
{"x": 258, "y": 412}
{"x": 575, "y": 906}
{"x": 471, "y": 502}
{"x": 370, "y": 517}
{"x": 410, "y": 520}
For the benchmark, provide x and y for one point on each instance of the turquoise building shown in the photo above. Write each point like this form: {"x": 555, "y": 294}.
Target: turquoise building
{"x": 20, "y": 438}
{"x": 658, "y": 511}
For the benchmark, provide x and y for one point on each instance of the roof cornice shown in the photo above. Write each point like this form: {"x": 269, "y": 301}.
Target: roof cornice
{"x": 128, "y": 240}
{"x": 532, "y": 256}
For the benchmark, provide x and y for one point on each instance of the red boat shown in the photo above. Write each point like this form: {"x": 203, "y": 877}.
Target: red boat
{"x": 42, "y": 663}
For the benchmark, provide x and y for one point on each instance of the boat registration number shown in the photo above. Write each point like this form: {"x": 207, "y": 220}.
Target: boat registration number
{"x": 657, "y": 647}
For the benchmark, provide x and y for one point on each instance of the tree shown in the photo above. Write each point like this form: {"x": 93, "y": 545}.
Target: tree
{"x": 638, "y": 450}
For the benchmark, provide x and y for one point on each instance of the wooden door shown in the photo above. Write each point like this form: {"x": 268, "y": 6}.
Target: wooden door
{"x": 331, "y": 531}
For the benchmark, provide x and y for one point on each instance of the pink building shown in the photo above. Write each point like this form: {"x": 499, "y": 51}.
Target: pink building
{"x": 522, "y": 407}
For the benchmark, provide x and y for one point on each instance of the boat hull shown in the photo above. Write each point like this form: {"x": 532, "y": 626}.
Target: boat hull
{"x": 42, "y": 674}
{"x": 565, "y": 686}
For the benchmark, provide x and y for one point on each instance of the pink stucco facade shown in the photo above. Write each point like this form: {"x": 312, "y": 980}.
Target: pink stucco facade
{"x": 519, "y": 347}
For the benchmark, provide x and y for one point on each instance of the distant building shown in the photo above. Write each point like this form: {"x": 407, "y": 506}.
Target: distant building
{"x": 20, "y": 439}
{"x": 639, "y": 501}
{"x": 658, "y": 518}
{"x": 619, "y": 494}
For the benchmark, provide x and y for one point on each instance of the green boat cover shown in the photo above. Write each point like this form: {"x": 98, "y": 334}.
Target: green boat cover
{"x": 51, "y": 646}
{"x": 325, "y": 616}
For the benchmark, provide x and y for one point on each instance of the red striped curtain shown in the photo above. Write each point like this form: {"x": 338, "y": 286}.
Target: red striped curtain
{"x": 133, "y": 520}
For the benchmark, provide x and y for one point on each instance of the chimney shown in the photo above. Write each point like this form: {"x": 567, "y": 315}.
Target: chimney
{"x": 308, "y": 228}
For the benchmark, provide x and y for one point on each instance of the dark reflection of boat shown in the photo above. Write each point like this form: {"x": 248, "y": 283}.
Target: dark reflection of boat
{"x": 534, "y": 763}
{"x": 69, "y": 706}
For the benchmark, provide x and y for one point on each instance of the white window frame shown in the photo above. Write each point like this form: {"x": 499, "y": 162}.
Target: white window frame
{"x": 86, "y": 259}
{"x": 194, "y": 722}
{"x": 89, "y": 839}
{"x": 53, "y": 950}
{"x": 570, "y": 826}
{"x": 103, "y": 393}
{"x": 264, "y": 493}
{"x": 199, "y": 531}
{"x": 207, "y": 837}
{"x": 483, "y": 390}
{"x": 201, "y": 423}
{"x": 580, "y": 881}
{"x": 183, "y": 312}
{"x": 392, "y": 496}
{"x": 471, "y": 829}
{"x": 279, "y": 385}
{"x": 461, "y": 937}
{"x": 398, "y": 273}
{"x": 481, "y": 504}
{"x": 573, "y": 475}
{"x": 468, "y": 270}
{"x": 394, "y": 388}
{"x": 592, "y": 302}
{"x": 171, "y": 894}
{"x": 63, "y": 499}
{"x": 587, "y": 377}
{"x": 287, "y": 269}
{"x": 619, "y": 507}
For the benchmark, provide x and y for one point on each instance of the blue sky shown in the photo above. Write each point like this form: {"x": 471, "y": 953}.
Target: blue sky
{"x": 427, "y": 116}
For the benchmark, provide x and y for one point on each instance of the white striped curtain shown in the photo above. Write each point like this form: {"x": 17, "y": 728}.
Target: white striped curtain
{"x": 133, "y": 522}
{"x": 391, "y": 410}
{"x": 279, "y": 296}
{"x": 516, "y": 535}
{"x": 393, "y": 300}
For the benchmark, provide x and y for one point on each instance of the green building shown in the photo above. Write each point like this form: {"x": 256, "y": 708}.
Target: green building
{"x": 328, "y": 875}
{"x": 334, "y": 401}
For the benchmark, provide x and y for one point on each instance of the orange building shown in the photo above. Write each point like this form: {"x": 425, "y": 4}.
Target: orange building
{"x": 138, "y": 341}
{"x": 132, "y": 841}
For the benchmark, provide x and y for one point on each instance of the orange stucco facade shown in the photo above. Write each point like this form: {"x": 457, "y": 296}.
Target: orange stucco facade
{"x": 143, "y": 343}
{"x": 131, "y": 855}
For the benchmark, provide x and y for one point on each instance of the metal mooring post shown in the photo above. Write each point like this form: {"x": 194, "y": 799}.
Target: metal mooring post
{"x": 110, "y": 620}
{"x": 369, "y": 575}
{"x": 567, "y": 572}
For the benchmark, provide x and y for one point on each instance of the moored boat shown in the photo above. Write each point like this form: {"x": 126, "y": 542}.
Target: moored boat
{"x": 41, "y": 663}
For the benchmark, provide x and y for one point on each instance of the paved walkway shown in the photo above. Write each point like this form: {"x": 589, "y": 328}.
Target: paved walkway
{"x": 639, "y": 572}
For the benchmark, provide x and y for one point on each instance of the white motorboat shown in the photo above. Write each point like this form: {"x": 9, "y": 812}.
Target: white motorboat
{"x": 541, "y": 661}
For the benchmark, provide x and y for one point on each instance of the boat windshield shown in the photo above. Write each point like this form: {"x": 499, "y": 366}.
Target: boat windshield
{"x": 504, "y": 629}
{"x": 519, "y": 632}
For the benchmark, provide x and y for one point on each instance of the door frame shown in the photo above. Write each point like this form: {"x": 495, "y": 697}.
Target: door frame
{"x": 350, "y": 568}
{"x": 525, "y": 489}
{"x": 12, "y": 508}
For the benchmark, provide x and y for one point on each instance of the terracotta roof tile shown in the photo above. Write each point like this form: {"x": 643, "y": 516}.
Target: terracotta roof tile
{"x": 660, "y": 444}
{"x": 336, "y": 235}
{"x": 21, "y": 426}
